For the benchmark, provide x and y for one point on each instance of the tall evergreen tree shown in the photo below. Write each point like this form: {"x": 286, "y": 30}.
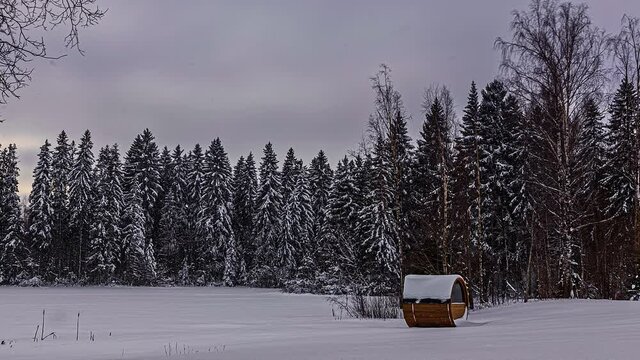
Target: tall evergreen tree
{"x": 621, "y": 170}
{"x": 15, "y": 261}
{"x": 591, "y": 197}
{"x": 40, "y": 214}
{"x": 105, "y": 232}
{"x": 142, "y": 165}
{"x": 141, "y": 263}
{"x": 432, "y": 196}
{"x": 400, "y": 157}
{"x": 467, "y": 188}
{"x": 245, "y": 185}
{"x": 378, "y": 223}
{"x": 195, "y": 234}
{"x": 498, "y": 117}
{"x": 174, "y": 223}
{"x": 290, "y": 170}
{"x": 81, "y": 198}
{"x": 320, "y": 177}
{"x": 220, "y": 251}
{"x": 297, "y": 225}
{"x": 343, "y": 218}
{"x": 268, "y": 220}
{"x": 165, "y": 170}
{"x": 61, "y": 165}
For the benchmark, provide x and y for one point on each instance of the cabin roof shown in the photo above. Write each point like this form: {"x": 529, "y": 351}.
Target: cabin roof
{"x": 435, "y": 287}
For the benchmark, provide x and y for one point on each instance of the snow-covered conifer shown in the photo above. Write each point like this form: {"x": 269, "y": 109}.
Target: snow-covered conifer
{"x": 40, "y": 214}
{"x": 81, "y": 197}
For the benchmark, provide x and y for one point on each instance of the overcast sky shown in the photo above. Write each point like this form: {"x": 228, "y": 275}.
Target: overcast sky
{"x": 295, "y": 73}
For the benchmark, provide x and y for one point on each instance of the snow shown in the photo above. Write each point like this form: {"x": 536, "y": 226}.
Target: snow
{"x": 437, "y": 287}
{"x": 241, "y": 323}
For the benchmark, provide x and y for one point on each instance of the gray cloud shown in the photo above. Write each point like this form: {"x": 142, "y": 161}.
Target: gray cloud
{"x": 291, "y": 72}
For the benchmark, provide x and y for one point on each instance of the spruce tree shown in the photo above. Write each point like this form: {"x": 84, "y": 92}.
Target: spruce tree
{"x": 467, "y": 187}
{"x": 142, "y": 165}
{"x": 290, "y": 170}
{"x": 62, "y": 161}
{"x": 245, "y": 185}
{"x": 195, "y": 234}
{"x": 81, "y": 198}
{"x": 105, "y": 232}
{"x": 590, "y": 195}
{"x": 165, "y": 170}
{"x": 268, "y": 220}
{"x": 296, "y": 225}
{"x": 15, "y": 262}
{"x": 40, "y": 214}
{"x": 141, "y": 258}
{"x": 432, "y": 196}
{"x": 379, "y": 226}
{"x": 400, "y": 158}
{"x": 498, "y": 117}
{"x": 174, "y": 221}
{"x": 621, "y": 170}
{"x": 343, "y": 216}
{"x": 219, "y": 251}
{"x": 320, "y": 176}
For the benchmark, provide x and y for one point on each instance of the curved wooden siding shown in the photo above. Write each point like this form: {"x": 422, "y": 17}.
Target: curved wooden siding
{"x": 427, "y": 315}
{"x": 407, "y": 311}
{"x": 458, "y": 310}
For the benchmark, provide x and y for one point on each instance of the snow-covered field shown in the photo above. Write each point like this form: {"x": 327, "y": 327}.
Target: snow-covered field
{"x": 224, "y": 323}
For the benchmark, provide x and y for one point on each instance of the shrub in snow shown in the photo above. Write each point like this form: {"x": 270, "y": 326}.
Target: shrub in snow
{"x": 34, "y": 282}
{"x": 367, "y": 307}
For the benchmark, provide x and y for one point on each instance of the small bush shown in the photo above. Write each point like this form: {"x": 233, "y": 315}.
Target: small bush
{"x": 367, "y": 307}
{"x": 33, "y": 282}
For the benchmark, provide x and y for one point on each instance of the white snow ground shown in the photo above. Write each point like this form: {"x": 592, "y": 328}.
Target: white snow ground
{"x": 240, "y": 323}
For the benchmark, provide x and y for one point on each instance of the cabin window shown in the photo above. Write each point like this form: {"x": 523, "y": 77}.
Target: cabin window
{"x": 456, "y": 293}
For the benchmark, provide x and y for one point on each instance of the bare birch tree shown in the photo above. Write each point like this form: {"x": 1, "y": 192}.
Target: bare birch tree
{"x": 555, "y": 61}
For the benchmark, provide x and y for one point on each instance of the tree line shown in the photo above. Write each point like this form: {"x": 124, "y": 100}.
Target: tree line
{"x": 534, "y": 192}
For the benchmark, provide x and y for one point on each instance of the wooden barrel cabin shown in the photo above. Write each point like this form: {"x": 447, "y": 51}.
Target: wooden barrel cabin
{"x": 434, "y": 300}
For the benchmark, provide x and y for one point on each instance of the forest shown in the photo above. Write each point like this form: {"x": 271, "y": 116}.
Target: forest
{"x": 532, "y": 192}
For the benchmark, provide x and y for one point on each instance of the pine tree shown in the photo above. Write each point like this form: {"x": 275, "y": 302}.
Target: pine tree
{"x": 81, "y": 198}
{"x": 219, "y": 252}
{"x": 268, "y": 221}
{"x": 141, "y": 263}
{"x": 40, "y": 214}
{"x": 62, "y": 162}
{"x": 15, "y": 261}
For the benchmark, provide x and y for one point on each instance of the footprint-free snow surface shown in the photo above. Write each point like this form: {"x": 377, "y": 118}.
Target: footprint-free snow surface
{"x": 240, "y": 323}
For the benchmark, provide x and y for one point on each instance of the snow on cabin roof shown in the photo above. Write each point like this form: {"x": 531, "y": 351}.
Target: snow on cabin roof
{"x": 437, "y": 287}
